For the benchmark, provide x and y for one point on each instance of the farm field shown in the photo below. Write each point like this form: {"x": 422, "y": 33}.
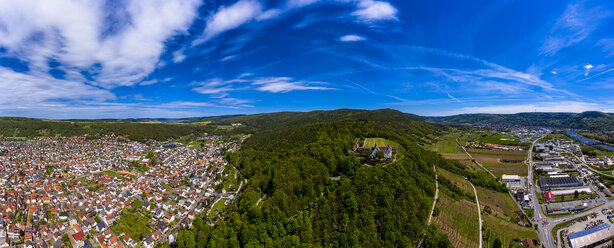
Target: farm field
{"x": 458, "y": 219}
{"x": 505, "y": 230}
{"x": 497, "y": 152}
{"x": 502, "y": 168}
{"x": 500, "y": 139}
{"x": 501, "y": 161}
{"x": 370, "y": 142}
{"x": 497, "y": 223}
{"x": 453, "y": 215}
{"x": 448, "y": 148}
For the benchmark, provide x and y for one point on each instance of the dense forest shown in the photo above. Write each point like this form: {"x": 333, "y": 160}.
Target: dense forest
{"x": 590, "y": 120}
{"x": 291, "y": 166}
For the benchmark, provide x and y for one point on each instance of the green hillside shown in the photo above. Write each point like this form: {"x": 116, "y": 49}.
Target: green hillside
{"x": 590, "y": 120}
{"x": 292, "y": 161}
{"x": 27, "y": 127}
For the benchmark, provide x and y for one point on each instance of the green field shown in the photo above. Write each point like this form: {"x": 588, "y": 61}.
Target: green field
{"x": 505, "y": 230}
{"x": 453, "y": 214}
{"x": 219, "y": 206}
{"x": 500, "y": 139}
{"x": 134, "y": 224}
{"x": 370, "y": 142}
{"x": 559, "y": 198}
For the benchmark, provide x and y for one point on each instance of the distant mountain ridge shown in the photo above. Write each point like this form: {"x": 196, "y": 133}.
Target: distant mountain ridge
{"x": 589, "y": 120}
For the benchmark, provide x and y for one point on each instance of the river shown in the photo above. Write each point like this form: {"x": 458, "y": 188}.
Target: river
{"x": 585, "y": 140}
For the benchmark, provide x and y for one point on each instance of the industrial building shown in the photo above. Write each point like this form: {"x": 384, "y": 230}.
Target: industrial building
{"x": 559, "y": 182}
{"x": 591, "y": 237}
{"x": 566, "y": 206}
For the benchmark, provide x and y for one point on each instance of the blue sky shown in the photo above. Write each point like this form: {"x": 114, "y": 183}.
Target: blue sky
{"x": 182, "y": 58}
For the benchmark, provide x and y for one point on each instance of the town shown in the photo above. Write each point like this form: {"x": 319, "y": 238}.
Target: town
{"x": 111, "y": 192}
{"x": 567, "y": 192}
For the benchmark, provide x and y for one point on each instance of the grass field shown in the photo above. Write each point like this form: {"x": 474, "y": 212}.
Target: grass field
{"x": 448, "y": 148}
{"x": 504, "y": 168}
{"x": 219, "y": 206}
{"x": 559, "y": 198}
{"x": 370, "y": 142}
{"x": 500, "y": 139}
{"x": 133, "y": 224}
{"x": 504, "y": 229}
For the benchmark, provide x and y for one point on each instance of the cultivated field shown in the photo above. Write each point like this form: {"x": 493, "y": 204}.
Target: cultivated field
{"x": 496, "y": 152}
{"x": 370, "y": 142}
{"x": 504, "y": 229}
{"x": 457, "y": 218}
{"x": 501, "y": 161}
{"x": 448, "y": 148}
{"x": 498, "y": 223}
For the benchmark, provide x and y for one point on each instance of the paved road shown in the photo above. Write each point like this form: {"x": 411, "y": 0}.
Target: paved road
{"x": 479, "y": 212}
{"x": 538, "y": 215}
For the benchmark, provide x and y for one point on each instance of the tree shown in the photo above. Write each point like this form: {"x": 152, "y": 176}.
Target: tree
{"x": 576, "y": 194}
{"x": 497, "y": 243}
{"x": 185, "y": 239}
{"x": 379, "y": 154}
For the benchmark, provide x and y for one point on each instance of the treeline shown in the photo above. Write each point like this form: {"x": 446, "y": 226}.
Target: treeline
{"x": 26, "y": 127}
{"x": 482, "y": 179}
{"x": 590, "y": 120}
{"x": 292, "y": 164}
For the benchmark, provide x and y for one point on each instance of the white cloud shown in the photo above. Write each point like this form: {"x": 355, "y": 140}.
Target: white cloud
{"x": 230, "y": 17}
{"x": 82, "y": 34}
{"x": 218, "y": 88}
{"x": 300, "y": 3}
{"x": 587, "y": 69}
{"x": 370, "y": 10}
{"x": 285, "y": 84}
{"x": 351, "y": 38}
{"x": 148, "y": 82}
{"x": 575, "y": 25}
{"x": 42, "y": 88}
{"x": 179, "y": 56}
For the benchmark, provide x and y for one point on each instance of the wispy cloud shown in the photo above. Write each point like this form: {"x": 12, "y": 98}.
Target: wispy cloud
{"x": 351, "y": 38}
{"x": 286, "y": 84}
{"x": 218, "y": 88}
{"x": 608, "y": 45}
{"x": 230, "y": 17}
{"x": 575, "y": 25}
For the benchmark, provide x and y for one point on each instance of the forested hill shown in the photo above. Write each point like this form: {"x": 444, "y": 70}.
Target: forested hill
{"x": 28, "y": 127}
{"x": 290, "y": 166}
{"x": 590, "y": 120}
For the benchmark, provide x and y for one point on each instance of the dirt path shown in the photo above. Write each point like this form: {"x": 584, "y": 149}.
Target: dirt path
{"x": 479, "y": 212}
{"x": 433, "y": 208}
{"x": 436, "y": 196}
